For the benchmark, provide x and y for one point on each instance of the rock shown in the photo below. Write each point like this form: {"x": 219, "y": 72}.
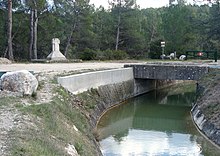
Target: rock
{"x": 4, "y": 61}
{"x": 182, "y": 57}
{"x": 71, "y": 150}
{"x": 19, "y": 81}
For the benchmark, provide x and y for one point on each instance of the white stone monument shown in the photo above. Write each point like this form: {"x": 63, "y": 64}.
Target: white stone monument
{"x": 56, "y": 55}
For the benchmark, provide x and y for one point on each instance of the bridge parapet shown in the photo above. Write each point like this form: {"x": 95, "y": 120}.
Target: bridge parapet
{"x": 169, "y": 71}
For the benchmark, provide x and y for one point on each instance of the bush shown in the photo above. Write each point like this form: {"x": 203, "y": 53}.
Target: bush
{"x": 114, "y": 54}
{"x": 88, "y": 54}
{"x": 119, "y": 55}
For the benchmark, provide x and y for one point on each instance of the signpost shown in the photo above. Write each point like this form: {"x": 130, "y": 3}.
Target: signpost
{"x": 162, "y": 46}
{"x": 162, "y": 43}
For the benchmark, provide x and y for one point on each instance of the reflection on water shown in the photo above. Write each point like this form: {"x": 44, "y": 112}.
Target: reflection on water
{"x": 155, "y": 124}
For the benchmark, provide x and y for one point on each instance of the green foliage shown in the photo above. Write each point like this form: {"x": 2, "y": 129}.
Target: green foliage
{"x": 155, "y": 50}
{"x": 90, "y": 33}
{"x": 114, "y": 54}
{"x": 177, "y": 28}
{"x": 88, "y": 54}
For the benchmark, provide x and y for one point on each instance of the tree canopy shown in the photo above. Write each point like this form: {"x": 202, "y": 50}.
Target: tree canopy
{"x": 122, "y": 31}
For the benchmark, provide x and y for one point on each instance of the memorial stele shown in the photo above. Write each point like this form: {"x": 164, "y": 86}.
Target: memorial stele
{"x": 56, "y": 55}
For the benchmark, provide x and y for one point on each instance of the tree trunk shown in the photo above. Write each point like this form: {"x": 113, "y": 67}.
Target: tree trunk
{"x": 35, "y": 34}
{"x": 69, "y": 40}
{"x": 10, "y": 52}
{"x": 31, "y": 34}
{"x": 118, "y": 26}
{"x": 118, "y": 33}
{"x": 153, "y": 31}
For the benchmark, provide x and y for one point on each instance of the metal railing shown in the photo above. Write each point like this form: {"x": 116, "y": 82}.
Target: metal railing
{"x": 202, "y": 54}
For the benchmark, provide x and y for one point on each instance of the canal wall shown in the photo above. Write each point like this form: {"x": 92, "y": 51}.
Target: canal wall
{"x": 82, "y": 82}
{"x": 206, "y": 110}
{"x": 111, "y": 87}
{"x": 208, "y": 128}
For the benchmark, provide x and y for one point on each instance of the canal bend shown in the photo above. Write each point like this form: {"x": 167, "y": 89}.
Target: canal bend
{"x": 157, "y": 123}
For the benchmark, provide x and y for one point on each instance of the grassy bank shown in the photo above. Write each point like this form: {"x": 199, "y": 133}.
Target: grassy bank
{"x": 49, "y": 128}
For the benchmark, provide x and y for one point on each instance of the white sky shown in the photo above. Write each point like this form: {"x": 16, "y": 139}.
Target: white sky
{"x": 142, "y": 3}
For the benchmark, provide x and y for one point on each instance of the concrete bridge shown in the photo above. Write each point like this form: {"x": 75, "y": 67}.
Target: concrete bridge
{"x": 169, "y": 71}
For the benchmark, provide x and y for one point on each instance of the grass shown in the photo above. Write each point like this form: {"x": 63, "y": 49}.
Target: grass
{"x": 5, "y": 101}
{"x": 53, "y": 129}
{"x": 89, "y": 99}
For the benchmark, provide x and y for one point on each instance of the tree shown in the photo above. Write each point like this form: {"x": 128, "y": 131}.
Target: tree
{"x": 178, "y": 28}
{"x": 10, "y": 52}
{"x": 119, "y": 6}
{"x": 151, "y": 27}
{"x": 77, "y": 16}
{"x": 103, "y": 22}
{"x": 36, "y": 7}
{"x": 214, "y": 26}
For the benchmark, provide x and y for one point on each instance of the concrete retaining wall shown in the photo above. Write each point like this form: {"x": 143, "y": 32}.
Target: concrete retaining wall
{"x": 81, "y": 82}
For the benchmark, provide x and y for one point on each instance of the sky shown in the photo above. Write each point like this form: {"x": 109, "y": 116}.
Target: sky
{"x": 141, "y": 3}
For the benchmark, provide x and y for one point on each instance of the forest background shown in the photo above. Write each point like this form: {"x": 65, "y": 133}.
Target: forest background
{"x": 124, "y": 31}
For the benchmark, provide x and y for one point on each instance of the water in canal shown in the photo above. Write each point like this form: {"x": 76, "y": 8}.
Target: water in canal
{"x": 154, "y": 124}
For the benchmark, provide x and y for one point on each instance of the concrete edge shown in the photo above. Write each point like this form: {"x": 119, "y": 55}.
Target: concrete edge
{"x": 82, "y": 82}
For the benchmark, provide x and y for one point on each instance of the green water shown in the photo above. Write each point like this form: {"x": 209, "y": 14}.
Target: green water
{"x": 155, "y": 124}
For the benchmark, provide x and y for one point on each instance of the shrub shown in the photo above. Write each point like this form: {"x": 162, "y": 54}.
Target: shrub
{"x": 114, "y": 54}
{"x": 88, "y": 54}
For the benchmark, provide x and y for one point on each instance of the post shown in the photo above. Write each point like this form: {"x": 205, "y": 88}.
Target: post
{"x": 215, "y": 56}
{"x": 162, "y": 46}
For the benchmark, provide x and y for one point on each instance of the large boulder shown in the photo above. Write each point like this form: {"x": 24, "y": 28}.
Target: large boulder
{"x": 4, "y": 61}
{"x": 19, "y": 81}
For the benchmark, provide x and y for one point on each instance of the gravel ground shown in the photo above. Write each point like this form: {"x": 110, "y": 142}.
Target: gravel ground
{"x": 59, "y": 67}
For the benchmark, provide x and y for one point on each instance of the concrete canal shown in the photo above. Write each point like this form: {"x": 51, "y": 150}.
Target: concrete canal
{"x": 158, "y": 124}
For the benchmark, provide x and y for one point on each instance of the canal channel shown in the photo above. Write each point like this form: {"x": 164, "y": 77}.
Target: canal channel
{"x": 155, "y": 124}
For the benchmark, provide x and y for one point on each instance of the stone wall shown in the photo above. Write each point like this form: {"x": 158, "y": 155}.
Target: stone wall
{"x": 169, "y": 71}
{"x": 206, "y": 110}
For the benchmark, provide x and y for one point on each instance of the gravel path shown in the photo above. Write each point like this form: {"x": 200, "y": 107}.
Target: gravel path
{"x": 59, "y": 67}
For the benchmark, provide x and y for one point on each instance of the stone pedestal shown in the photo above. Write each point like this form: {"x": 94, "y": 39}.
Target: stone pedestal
{"x": 56, "y": 55}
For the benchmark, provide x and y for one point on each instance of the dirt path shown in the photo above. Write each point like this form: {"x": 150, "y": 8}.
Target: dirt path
{"x": 59, "y": 67}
